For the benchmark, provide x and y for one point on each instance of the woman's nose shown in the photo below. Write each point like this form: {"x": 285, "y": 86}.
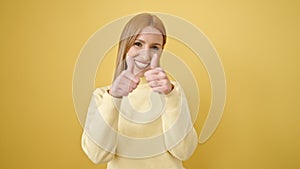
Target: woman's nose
{"x": 146, "y": 54}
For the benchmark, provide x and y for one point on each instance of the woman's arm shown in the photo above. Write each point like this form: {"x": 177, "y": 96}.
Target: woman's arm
{"x": 94, "y": 152}
{"x": 99, "y": 138}
{"x": 180, "y": 136}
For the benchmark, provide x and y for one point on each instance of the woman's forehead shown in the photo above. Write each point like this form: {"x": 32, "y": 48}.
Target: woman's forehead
{"x": 150, "y": 38}
{"x": 150, "y": 30}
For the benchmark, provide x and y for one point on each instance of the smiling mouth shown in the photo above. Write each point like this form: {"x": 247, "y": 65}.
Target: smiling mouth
{"x": 141, "y": 65}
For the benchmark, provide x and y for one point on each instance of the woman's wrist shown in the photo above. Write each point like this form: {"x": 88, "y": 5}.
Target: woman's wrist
{"x": 112, "y": 94}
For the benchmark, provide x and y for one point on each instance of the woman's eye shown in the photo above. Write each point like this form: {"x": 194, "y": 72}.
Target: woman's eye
{"x": 155, "y": 48}
{"x": 138, "y": 44}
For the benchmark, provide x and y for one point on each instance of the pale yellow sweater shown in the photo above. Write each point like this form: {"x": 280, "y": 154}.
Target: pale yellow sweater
{"x": 161, "y": 143}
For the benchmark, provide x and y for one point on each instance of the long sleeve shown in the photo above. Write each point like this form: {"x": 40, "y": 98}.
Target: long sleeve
{"x": 99, "y": 139}
{"x": 180, "y": 136}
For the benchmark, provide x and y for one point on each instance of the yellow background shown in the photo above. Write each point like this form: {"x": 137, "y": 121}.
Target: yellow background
{"x": 258, "y": 43}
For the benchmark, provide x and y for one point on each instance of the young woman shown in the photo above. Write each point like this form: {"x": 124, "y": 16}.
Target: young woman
{"x": 142, "y": 120}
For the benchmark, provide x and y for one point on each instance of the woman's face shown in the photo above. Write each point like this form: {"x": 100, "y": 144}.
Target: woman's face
{"x": 148, "y": 43}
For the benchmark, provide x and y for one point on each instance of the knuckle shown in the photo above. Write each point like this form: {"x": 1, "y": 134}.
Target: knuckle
{"x": 148, "y": 78}
{"x": 162, "y": 75}
{"x": 164, "y": 82}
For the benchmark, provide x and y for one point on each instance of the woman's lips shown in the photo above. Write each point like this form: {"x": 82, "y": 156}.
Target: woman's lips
{"x": 141, "y": 65}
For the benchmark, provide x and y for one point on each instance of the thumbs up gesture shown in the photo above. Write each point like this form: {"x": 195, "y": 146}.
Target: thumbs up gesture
{"x": 157, "y": 78}
{"x": 126, "y": 82}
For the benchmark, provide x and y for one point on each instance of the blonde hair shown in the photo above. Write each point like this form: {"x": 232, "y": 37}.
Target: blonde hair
{"x": 131, "y": 32}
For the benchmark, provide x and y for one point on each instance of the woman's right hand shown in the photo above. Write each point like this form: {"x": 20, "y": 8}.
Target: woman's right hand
{"x": 126, "y": 82}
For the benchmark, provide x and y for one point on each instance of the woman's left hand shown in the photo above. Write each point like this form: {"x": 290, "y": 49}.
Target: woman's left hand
{"x": 157, "y": 78}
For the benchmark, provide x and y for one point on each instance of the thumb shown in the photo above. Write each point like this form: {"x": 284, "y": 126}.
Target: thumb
{"x": 154, "y": 61}
{"x": 130, "y": 63}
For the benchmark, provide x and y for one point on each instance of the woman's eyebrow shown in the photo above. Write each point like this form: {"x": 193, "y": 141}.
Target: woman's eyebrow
{"x": 141, "y": 40}
{"x": 157, "y": 44}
